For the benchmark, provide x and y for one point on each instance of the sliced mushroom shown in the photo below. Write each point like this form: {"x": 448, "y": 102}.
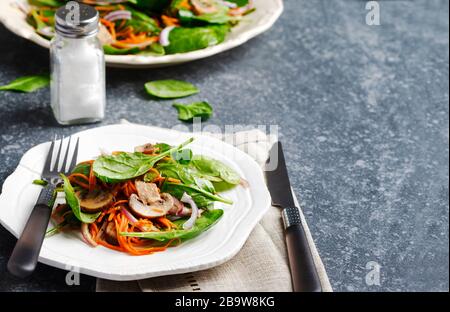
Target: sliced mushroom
{"x": 204, "y": 6}
{"x": 178, "y": 209}
{"x": 146, "y": 148}
{"x": 148, "y": 192}
{"x": 153, "y": 210}
{"x": 95, "y": 201}
{"x": 111, "y": 234}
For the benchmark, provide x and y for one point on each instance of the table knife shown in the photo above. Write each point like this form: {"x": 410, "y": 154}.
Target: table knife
{"x": 303, "y": 270}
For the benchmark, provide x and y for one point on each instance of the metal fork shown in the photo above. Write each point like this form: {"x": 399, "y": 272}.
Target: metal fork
{"x": 25, "y": 255}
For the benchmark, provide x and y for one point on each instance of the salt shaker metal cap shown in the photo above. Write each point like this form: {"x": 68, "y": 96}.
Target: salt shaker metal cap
{"x": 76, "y": 21}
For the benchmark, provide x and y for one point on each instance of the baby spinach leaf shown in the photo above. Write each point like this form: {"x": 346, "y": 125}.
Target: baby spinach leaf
{"x": 40, "y": 182}
{"x": 206, "y": 221}
{"x": 141, "y": 22}
{"x": 150, "y": 176}
{"x": 176, "y": 171}
{"x": 197, "y": 109}
{"x": 202, "y": 198}
{"x": 183, "y": 39}
{"x": 27, "y": 83}
{"x": 162, "y": 147}
{"x": 170, "y": 89}
{"x": 125, "y": 166}
{"x": 153, "y": 5}
{"x": 154, "y": 49}
{"x": 115, "y": 51}
{"x": 183, "y": 156}
{"x": 83, "y": 168}
{"x": 188, "y": 17}
{"x": 49, "y": 3}
{"x": 74, "y": 203}
{"x": 239, "y": 3}
{"x": 212, "y": 167}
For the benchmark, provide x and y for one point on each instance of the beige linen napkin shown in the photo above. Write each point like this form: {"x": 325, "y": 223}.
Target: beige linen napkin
{"x": 262, "y": 263}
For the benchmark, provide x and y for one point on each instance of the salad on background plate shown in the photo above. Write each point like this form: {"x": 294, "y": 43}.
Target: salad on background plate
{"x": 153, "y": 33}
{"x": 150, "y": 27}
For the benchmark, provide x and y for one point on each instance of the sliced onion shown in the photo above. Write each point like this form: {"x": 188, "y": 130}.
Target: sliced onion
{"x": 117, "y": 15}
{"x": 164, "y": 36}
{"x": 135, "y": 221}
{"x": 228, "y": 4}
{"x": 129, "y": 216}
{"x": 194, "y": 212}
{"x": 87, "y": 235}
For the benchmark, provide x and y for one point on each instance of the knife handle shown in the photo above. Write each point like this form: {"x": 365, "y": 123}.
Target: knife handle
{"x": 25, "y": 255}
{"x": 301, "y": 262}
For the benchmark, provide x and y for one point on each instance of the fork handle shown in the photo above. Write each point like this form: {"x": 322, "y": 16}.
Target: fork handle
{"x": 25, "y": 255}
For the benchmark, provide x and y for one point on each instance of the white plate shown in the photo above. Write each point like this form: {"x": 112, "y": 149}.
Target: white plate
{"x": 267, "y": 12}
{"x": 217, "y": 245}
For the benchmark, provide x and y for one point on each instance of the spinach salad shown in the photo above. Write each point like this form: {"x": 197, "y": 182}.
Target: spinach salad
{"x": 144, "y": 201}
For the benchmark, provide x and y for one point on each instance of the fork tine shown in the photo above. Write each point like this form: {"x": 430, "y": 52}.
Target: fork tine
{"x": 58, "y": 156}
{"x": 73, "y": 163}
{"x": 48, "y": 160}
{"x": 64, "y": 163}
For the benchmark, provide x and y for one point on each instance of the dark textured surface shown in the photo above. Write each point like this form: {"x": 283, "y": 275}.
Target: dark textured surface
{"x": 363, "y": 113}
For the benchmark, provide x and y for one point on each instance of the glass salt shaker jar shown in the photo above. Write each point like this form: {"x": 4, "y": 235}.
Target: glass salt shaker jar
{"x": 77, "y": 66}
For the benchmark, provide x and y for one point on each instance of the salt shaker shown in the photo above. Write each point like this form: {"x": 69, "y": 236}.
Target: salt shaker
{"x": 77, "y": 67}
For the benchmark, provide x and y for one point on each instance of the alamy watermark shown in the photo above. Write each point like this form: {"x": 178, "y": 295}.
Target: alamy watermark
{"x": 373, "y": 277}
{"x": 73, "y": 16}
{"x": 373, "y": 16}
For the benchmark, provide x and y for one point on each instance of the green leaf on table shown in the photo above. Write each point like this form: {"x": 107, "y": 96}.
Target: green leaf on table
{"x": 74, "y": 203}
{"x": 170, "y": 89}
{"x": 125, "y": 166}
{"x": 203, "y": 223}
{"x": 197, "y": 109}
{"x": 27, "y": 83}
{"x": 184, "y": 39}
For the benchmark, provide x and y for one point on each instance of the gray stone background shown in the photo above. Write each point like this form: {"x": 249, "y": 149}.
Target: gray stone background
{"x": 363, "y": 112}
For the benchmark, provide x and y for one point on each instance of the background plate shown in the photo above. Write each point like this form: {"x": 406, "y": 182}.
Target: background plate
{"x": 212, "y": 248}
{"x": 266, "y": 14}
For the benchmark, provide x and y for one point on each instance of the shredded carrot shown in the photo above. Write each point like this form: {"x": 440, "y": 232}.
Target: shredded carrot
{"x": 73, "y": 180}
{"x": 79, "y": 175}
{"x": 111, "y": 216}
{"x": 92, "y": 179}
{"x": 173, "y": 180}
{"x": 170, "y": 21}
{"x": 166, "y": 222}
{"x": 107, "y": 245}
{"x": 120, "y": 202}
{"x": 185, "y": 4}
{"x": 132, "y": 187}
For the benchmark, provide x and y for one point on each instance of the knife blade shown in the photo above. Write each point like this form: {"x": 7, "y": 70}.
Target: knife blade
{"x": 303, "y": 270}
